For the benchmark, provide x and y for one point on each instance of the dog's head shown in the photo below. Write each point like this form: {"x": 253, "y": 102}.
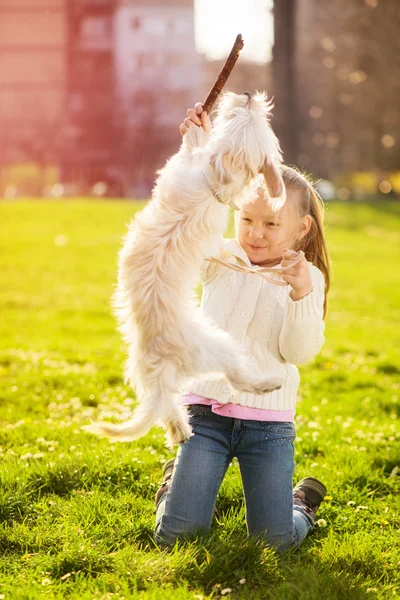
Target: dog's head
{"x": 243, "y": 144}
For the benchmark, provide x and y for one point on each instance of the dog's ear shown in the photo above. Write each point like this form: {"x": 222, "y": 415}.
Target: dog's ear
{"x": 222, "y": 162}
{"x": 225, "y": 165}
{"x": 275, "y": 185}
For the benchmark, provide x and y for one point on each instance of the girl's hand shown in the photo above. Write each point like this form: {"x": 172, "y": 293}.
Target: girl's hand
{"x": 298, "y": 276}
{"x": 197, "y": 116}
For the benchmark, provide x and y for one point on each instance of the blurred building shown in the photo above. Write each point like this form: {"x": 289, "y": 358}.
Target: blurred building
{"x": 95, "y": 87}
{"x": 33, "y": 79}
{"x": 155, "y": 53}
{"x": 158, "y": 74}
{"x": 94, "y": 90}
{"x": 88, "y": 135}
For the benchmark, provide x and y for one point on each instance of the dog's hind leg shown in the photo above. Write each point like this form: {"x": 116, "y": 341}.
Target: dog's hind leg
{"x": 177, "y": 425}
{"x": 217, "y": 351}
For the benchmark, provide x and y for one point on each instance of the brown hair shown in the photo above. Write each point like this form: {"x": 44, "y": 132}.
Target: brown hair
{"x": 310, "y": 203}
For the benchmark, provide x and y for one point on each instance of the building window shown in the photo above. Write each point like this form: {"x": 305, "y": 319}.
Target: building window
{"x": 183, "y": 26}
{"x": 174, "y": 60}
{"x": 156, "y": 26}
{"x": 93, "y": 27}
{"x": 136, "y": 23}
{"x": 96, "y": 33}
{"x": 146, "y": 60}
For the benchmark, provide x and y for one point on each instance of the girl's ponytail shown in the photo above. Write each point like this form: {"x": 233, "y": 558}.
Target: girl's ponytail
{"x": 313, "y": 243}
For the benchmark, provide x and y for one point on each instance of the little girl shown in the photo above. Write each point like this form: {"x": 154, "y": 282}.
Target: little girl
{"x": 280, "y": 326}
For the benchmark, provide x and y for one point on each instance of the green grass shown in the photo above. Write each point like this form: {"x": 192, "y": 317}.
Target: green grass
{"x": 76, "y": 512}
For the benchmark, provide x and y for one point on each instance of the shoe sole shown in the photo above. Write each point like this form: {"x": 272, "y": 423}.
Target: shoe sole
{"x": 168, "y": 468}
{"x": 316, "y": 487}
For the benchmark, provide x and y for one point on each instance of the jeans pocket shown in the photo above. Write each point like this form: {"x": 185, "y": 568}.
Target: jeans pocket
{"x": 279, "y": 429}
{"x": 197, "y": 413}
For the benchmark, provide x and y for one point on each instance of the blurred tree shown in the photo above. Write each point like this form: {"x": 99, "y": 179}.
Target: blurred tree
{"x": 284, "y": 76}
{"x": 337, "y": 83}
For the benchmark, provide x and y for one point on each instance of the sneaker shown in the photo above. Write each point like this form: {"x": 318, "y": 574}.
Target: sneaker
{"x": 167, "y": 474}
{"x": 308, "y": 494}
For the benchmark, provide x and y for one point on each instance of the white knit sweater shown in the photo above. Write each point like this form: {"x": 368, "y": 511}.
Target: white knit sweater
{"x": 277, "y": 332}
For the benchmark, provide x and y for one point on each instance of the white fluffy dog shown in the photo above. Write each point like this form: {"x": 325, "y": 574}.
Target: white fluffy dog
{"x": 169, "y": 340}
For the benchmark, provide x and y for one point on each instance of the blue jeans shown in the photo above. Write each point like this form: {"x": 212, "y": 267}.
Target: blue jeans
{"x": 265, "y": 452}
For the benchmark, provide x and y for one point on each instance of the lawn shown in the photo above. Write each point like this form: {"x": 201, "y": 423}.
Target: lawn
{"x": 76, "y": 512}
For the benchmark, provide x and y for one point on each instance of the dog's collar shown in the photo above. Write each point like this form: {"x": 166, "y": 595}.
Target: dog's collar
{"x": 216, "y": 196}
{"x": 230, "y": 203}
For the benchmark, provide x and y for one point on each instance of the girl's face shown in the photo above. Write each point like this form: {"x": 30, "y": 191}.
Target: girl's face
{"x": 264, "y": 234}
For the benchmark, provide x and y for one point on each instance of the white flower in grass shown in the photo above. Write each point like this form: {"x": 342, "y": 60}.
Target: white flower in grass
{"x": 226, "y": 591}
{"x": 26, "y": 456}
{"x": 61, "y": 240}
{"x": 321, "y": 523}
{"x": 242, "y": 581}
{"x": 46, "y": 581}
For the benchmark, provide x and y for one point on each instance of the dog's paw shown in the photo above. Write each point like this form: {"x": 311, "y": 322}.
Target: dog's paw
{"x": 267, "y": 385}
{"x": 177, "y": 433}
{"x": 259, "y": 386}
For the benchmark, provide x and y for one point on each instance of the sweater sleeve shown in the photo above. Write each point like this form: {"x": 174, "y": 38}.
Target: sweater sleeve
{"x": 302, "y": 333}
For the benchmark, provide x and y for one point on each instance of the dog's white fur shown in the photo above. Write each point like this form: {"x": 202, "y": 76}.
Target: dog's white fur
{"x": 169, "y": 340}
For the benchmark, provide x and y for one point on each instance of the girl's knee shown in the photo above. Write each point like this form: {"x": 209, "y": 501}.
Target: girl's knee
{"x": 283, "y": 545}
{"x": 278, "y": 542}
{"x": 163, "y": 537}
{"x": 163, "y": 543}
{"x": 167, "y": 539}
{"x": 277, "y": 539}
{"x": 284, "y": 541}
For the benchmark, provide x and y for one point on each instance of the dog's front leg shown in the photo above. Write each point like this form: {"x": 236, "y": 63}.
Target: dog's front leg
{"x": 196, "y": 137}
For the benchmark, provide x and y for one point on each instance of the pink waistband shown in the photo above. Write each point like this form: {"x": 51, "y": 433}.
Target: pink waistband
{"x": 236, "y": 411}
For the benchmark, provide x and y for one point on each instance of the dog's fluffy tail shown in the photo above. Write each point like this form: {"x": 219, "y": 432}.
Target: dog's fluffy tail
{"x": 158, "y": 406}
{"x": 135, "y": 428}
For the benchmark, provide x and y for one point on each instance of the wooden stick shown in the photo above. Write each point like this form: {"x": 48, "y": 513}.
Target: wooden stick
{"x": 224, "y": 74}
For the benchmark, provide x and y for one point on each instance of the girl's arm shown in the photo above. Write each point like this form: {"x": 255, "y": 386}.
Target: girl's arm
{"x": 302, "y": 333}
